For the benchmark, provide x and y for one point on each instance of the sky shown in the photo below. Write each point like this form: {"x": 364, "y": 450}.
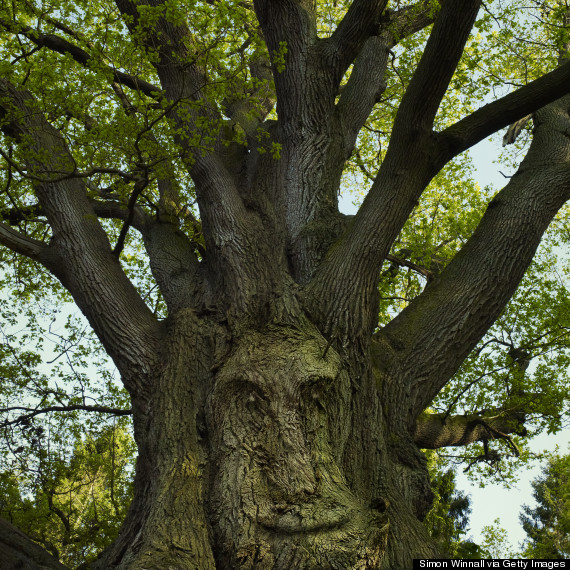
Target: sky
{"x": 494, "y": 500}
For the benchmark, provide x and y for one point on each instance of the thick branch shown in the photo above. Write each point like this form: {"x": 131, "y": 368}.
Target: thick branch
{"x": 357, "y": 259}
{"x": 180, "y": 75}
{"x": 442, "y": 325}
{"x": 501, "y": 113}
{"x": 366, "y": 82}
{"x": 228, "y": 231}
{"x": 184, "y": 80}
{"x": 63, "y": 46}
{"x": 80, "y": 254}
{"x": 109, "y": 209}
{"x": 174, "y": 265}
{"x": 291, "y": 24}
{"x": 20, "y": 243}
{"x": 18, "y": 551}
{"x": 434, "y": 431}
{"x": 435, "y": 69}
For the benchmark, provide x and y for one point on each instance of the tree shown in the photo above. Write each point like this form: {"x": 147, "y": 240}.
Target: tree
{"x": 548, "y": 524}
{"x": 496, "y": 543}
{"x": 449, "y": 516}
{"x": 174, "y": 168}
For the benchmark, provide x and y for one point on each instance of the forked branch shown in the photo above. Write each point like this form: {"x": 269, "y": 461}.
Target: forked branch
{"x": 366, "y": 82}
{"x": 21, "y": 243}
{"x": 444, "y": 323}
{"x": 405, "y": 173}
{"x": 118, "y": 315}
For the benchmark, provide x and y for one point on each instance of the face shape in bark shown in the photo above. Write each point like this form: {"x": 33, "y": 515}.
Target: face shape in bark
{"x": 278, "y": 422}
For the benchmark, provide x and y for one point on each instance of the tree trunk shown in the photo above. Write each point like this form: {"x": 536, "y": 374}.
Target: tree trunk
{"x": 284, "y": 458}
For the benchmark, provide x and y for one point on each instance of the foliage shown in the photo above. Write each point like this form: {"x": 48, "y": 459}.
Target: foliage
{"x": 72, "y": 496}
{"x": 548, "y": 524}
{"x": 448, "y": 519}
{"x": 66, "y": 476}
{"x": 495, "y": 543}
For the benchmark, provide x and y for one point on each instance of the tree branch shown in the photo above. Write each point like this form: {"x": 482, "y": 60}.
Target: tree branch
{"x": 80, "y": 254}
{"x": 501, "y": 113}
{"x": 434, "y": 431}
{"x": 429, "y": 275}
{"x": 65, "y": 47}
{"x": 140, "y": 184}
{"x": 366, "y": 82}
{"x": 18, "y": 551}
{"x": 33, "y": 412}
{"x": 358, "y": 257}
{"x": 183, "y": 81}
{"x": 21, "y": 244}
{"x": 229, "y": 229}
{"x": 436, "y": 68}
{"x": 289, "y": 28}
{"x": 444, "y": 323}
{"x": 361, "y": 21}
{"x": 116, "y": 210}
{"x": 173, "y": 262}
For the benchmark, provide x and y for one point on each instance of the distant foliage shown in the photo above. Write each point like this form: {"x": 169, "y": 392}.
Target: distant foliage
{"x": 73, "y": 505}
{"x": 548, "y": 524}
{"x": 495, "y": 543}
{"x": 448, "y": 520}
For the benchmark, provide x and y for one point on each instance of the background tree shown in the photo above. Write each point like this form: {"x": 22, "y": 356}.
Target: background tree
{"x": 73, "y": 508}
{"x": 173, "y": 167}
{"x": 495, "y": 543}
{"x": 449, "y": 516}
{"x": 548, "y": 524}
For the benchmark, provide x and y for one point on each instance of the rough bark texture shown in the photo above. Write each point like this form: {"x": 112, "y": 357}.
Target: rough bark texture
{"x": 274, "y": 429}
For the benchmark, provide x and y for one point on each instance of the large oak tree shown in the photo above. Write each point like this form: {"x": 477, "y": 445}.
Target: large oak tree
{"x": 278, "y": 422}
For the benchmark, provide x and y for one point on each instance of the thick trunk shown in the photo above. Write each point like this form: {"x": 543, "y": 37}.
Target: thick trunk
{"x": 166, "y": 525}
{"x": 263, "y": 443}
{"x": 280, "y": 459}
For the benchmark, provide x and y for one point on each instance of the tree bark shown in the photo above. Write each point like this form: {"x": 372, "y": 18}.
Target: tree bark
{"x": 267, "y": 450}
